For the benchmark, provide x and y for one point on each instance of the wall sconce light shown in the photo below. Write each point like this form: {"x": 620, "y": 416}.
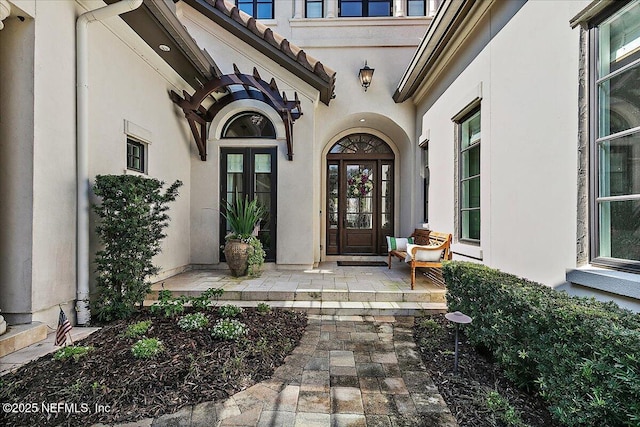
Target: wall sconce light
{"x": 366, "y": 75}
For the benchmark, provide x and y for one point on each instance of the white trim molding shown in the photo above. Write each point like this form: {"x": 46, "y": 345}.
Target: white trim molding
{"x": 137, "y": 132}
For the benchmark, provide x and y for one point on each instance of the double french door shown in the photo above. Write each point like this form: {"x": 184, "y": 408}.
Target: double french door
{"x": 252, "y": 172}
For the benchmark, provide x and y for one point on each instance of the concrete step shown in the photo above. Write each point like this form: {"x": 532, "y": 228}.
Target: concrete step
{"x": 327, "y": 289}
{"x": 344, "y": 308}
{"x": 325, "y": 295}
{"x": 35, "y": 351}
{"x": 20, "y": 336}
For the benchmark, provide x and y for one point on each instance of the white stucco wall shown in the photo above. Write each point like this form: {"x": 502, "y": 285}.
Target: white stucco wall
{"x": 380, "y": 113}
{"x": 341, "y": 44}
{"x": 127, "y": 82}
{"x": 38, "y": 161}
{"x": 527, "y": 76}
{"x": 295, "y": 211}
{"x": 54, "y": 160}
{"x": 17, "y": 42}
{"x": 387, "y": 44}
{"x": 131, "y": 84}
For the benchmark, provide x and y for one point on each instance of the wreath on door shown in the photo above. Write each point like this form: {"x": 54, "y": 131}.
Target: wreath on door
{"x": 360, "y": 184}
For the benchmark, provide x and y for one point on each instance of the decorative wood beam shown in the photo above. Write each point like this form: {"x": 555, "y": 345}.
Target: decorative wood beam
{"x": 253, "y": 88}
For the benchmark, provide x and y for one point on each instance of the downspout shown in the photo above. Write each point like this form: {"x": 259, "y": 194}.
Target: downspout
{"x": 82, "y": 148}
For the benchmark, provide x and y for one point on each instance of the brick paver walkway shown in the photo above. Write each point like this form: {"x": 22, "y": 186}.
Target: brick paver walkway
{"x": 347, "y": 371}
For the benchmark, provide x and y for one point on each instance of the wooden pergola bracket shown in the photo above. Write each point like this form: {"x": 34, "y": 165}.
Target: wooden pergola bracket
{"x": 253, "y": 87}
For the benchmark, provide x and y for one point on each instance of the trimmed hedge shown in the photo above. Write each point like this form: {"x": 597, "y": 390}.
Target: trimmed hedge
{"x": 581, "y": 355}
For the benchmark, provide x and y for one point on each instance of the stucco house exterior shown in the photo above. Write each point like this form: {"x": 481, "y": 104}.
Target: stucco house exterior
{"x": 88, "y": 91}
{"x": 480, "y": 123}
{"x": 526, "y": 116}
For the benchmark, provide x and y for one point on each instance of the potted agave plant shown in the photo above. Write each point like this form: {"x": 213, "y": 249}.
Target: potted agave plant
{"x": 242, "y": 250}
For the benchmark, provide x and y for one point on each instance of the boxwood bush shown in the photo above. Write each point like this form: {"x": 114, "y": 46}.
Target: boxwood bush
{"x": 581, "y": 355}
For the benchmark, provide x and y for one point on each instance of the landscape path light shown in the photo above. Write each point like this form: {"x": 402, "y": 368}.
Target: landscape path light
{"x": 457, "y": 318}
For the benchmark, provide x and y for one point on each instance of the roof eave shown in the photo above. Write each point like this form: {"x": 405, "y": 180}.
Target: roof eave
{"x": 168, "y": 19}
{"x": 156, "y": 23}
{"x": 449, "y": 18}
{"x": 324, "y": 84}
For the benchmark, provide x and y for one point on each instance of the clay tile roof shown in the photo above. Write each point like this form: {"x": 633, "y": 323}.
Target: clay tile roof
{"x": 294, "y": 53}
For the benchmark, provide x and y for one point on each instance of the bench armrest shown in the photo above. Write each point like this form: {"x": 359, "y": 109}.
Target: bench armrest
{"x": 425, "y": 254}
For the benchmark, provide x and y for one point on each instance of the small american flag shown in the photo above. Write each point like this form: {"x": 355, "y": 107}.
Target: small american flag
{"x": 64, "y": 327}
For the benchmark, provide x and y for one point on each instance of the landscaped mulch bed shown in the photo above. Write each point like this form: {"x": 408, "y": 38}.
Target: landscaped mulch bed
{"x": 466, "y": 392}
{"x": 193, "y": 368}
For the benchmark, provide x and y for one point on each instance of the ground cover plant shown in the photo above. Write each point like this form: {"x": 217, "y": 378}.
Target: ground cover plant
{"x": 479, "y": 395}
{"x": 580, "y": 355}
{"x": 73, "y": 351}
{"x": 174, "y": 368}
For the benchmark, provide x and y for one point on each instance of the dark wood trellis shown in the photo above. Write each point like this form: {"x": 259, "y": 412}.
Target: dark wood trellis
{"x": 253, "y": 88}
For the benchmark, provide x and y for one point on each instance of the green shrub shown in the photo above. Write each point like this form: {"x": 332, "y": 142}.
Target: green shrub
{"x": 168, "y": 305}
{"x": 75, "y": 351}
{"x": 193, "y": 322}
{"x": 147, "y": 348}
{"x": 137, "y": 329}
{"x": 132, "y": 216}
{"x": 228, "y": 329}
{"x": 263, "y": 308}
{"x": 502, "y": 410}
{"x": 581, "y": 355}
{"x": 256, "y": 256}
{"x": 428, "y": 324}
{"x": 229, "y": 310}
{"x": 203, "y": 301}
{"x": 242, "y": 216}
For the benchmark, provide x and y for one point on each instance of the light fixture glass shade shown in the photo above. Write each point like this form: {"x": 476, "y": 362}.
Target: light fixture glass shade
{"x": 366, "y": 75}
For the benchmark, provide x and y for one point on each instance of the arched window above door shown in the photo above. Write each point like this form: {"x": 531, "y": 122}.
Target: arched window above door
{"x": 360, "y": 143}
{"x": 249, "y": 125}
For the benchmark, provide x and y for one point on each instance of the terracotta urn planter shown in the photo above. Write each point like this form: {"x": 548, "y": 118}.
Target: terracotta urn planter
{"x": 237, "y": 253}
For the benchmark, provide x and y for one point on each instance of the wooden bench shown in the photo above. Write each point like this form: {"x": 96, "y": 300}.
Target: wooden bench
{"x": 420, "y": 237}
{"x": 439, "y": 241}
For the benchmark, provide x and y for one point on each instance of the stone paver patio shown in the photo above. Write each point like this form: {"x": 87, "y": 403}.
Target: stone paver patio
{"x": 347, "y": 371}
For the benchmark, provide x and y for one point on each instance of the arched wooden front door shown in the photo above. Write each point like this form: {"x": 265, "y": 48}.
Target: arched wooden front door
{"x": 359, "y": 195}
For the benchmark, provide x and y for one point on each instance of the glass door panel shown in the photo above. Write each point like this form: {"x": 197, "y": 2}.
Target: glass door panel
{"x": 234, "y": 187}
{"x": 262, "y": 192}
{"x": 333, "y": 208}
{"x": 359, "y": 219}
{"x": 252, "y": 172}
{"x": 333, "y": 197}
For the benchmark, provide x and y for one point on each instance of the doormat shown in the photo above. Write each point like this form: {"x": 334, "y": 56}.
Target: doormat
{"x": 362, "y": 263}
